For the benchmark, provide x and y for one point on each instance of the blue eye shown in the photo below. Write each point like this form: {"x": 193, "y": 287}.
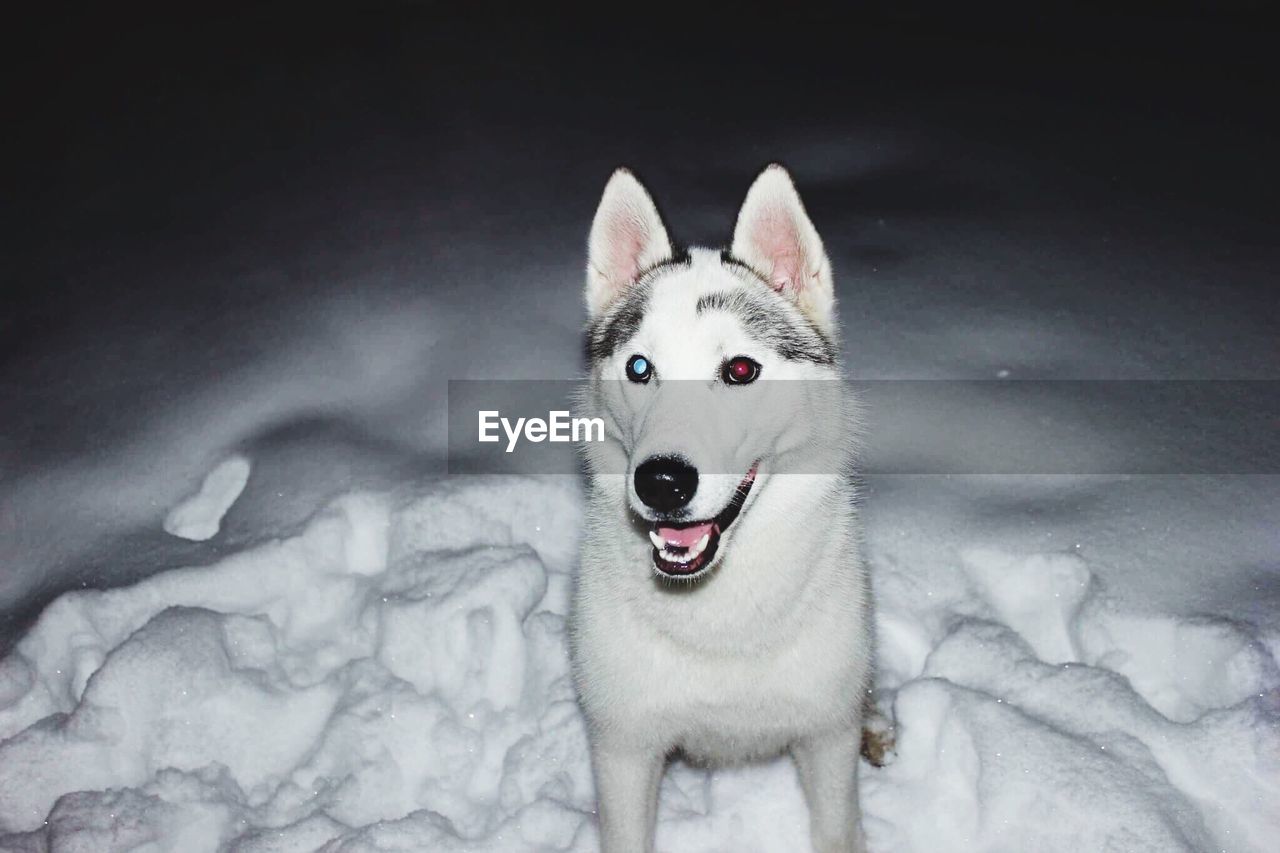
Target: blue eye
{"x": 639, "y": 368}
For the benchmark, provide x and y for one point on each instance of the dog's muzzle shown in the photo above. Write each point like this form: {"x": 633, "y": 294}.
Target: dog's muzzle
{"x": 685, "y": 550}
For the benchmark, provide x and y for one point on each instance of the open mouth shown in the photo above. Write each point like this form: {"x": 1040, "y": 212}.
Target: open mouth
{"x": 682, "y": 551}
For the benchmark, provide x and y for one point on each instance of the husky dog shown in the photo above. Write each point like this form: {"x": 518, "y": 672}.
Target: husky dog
{"x": 722, "y": 608}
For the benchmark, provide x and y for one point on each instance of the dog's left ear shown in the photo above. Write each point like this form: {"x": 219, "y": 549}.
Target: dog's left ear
{"x": 774, "y": 236}
{"x": 627, "y": 237}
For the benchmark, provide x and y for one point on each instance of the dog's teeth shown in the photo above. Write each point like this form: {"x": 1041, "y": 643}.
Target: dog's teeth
{"x": 701, "y": 546}
{"x": 658, "y": 541}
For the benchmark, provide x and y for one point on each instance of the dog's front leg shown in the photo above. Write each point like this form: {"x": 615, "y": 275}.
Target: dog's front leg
{"x": 828, "y": 765}
{"x": 627, "y": 779}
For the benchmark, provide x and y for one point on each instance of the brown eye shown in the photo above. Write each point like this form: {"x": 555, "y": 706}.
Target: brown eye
{"x": 740, "y": 370}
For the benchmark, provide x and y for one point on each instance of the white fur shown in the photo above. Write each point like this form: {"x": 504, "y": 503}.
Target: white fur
{"x": 771, "y": 650}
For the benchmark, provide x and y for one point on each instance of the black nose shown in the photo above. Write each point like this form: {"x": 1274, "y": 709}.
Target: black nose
{"x": 666, "y": 483}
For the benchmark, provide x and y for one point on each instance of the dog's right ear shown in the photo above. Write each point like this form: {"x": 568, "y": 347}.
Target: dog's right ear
{"x": 627, "y": 237}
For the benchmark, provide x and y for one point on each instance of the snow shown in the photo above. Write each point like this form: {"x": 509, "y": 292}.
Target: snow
{"x": 199, "y": 517}
{"x": 402, "y": 653}
{"x": 395, "y": 676}
{"x": 350, "y": 652}
{"x": 1023, "y": 716}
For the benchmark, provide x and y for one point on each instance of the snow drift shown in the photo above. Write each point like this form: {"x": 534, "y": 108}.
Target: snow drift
{"x": 395, "y": 677}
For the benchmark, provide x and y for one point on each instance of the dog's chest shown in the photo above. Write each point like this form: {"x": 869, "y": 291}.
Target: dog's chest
{"x": 715, "y": 672}
{"x": 728, "y": 707}
{"x": 739, "y": 725}
{"x": 742, "y": 714}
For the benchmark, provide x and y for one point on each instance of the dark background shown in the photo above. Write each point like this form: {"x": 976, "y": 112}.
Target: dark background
{"x": 251, "y": 202}
{"x": 200, "y": 128}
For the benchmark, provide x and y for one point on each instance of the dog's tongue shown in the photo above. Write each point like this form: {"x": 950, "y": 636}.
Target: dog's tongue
{"x": 685, "y": 537}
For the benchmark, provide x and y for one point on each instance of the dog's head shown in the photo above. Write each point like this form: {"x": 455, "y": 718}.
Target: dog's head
{"x": 686, "y": 350}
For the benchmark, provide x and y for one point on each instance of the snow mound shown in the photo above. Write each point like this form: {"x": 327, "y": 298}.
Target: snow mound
{"x": 395, "y": 677}
{"x": 199, "y": 517}
{"x": 1041, "y": 718}
{"x": 392, "y": 678}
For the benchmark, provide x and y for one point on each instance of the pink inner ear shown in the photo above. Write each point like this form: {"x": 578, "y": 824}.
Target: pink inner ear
{"x": 628, "y": 242}
{"x": 777, "y": 239}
